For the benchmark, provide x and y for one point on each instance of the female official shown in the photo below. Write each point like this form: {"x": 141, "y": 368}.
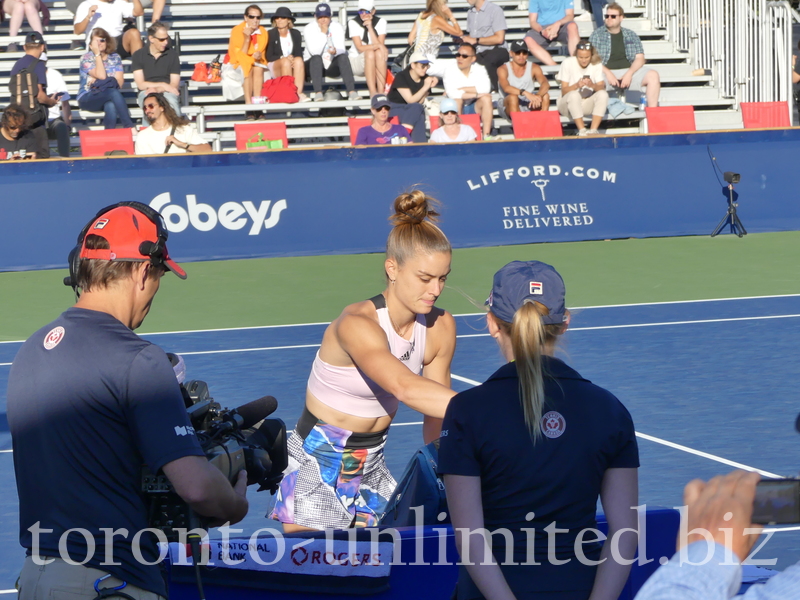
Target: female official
{"x": 451, "y": 129}
{"x": 395, "y": 347}
{"x": 247, "y": 49}
{"x": 529, "y": 451}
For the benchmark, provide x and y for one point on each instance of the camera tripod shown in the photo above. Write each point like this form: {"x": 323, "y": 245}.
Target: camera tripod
{"x": 731, "y": 218}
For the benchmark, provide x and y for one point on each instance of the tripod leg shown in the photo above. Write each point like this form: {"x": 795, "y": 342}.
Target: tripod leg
{"x": 738, "y": 223}
{"x": 725, "y": 220}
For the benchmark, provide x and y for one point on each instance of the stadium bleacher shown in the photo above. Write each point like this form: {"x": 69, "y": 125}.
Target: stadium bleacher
{"x": 203, "y": 26}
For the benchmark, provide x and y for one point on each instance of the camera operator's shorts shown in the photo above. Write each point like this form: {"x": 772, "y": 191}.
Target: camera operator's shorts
{"x": 336, "y": 479}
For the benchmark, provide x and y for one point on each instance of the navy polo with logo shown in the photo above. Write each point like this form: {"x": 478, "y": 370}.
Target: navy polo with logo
{"x": 586, "y": 430}
{"x": 89, "y": 403}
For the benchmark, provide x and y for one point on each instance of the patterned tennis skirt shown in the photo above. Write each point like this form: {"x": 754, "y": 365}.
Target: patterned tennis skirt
{"x": 330, "y": 486}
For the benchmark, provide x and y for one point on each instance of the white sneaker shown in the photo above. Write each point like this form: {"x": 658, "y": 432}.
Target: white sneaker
{"x": 318, "y": 97}
{"x": 593, "y": 132}
{"x": 353, "y": 95}
{"x": 303, "y": 97}
{"x": 583, "y": 132}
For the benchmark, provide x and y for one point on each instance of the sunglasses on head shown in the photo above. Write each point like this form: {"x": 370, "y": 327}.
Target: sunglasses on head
{"x": 584, "y": 46}
{"x": 607, "y": 16}
{"x": 459, "y": 55}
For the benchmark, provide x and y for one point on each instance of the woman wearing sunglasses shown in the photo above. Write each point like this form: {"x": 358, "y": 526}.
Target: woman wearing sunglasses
{"x": 451, "y": 129}
{"x": 368, "y": 54}
{"x": 247, "y": 49}
{"x": 381, "y": 131}
{"x": 583, "y": 88}
{"x": 409, "y": 90}
{"x": 285, "y": 50}
{"x": 101, "y": 79}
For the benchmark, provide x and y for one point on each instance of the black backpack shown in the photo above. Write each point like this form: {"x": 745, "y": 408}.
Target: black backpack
{"x": 24, "y": 88}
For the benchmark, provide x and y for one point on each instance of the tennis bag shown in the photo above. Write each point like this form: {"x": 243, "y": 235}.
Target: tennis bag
{"x": 420, "y": 486}
{"x": 24, "y": 90}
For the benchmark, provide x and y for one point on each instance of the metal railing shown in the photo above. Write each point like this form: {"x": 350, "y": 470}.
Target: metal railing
{"x": 746, "y": 44}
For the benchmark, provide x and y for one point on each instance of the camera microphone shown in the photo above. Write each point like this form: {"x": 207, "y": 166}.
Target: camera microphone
{"x": 251, "y": 413}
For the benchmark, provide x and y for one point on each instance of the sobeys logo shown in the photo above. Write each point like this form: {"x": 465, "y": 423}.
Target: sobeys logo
{"x": 544, "y": 208}
{"x": 230, "y": 215}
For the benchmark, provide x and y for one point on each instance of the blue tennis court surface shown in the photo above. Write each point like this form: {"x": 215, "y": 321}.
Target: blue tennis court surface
{"x": 705, "y": 381}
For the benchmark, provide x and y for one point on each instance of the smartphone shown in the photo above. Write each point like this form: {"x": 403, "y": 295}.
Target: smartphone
{"x": 59, "y": 95}
{"x": 777, "y": 502}
{"x": 458, "y": 40}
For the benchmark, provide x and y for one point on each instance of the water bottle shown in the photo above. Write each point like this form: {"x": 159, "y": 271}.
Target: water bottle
{"x": 642, "y": 102}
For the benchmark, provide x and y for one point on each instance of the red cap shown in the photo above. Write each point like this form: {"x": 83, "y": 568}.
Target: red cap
{"x": 127, "y": 231}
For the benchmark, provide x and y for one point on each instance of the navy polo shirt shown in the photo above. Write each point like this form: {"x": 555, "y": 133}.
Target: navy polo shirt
{"x": 40, "y": 70}
{"x": 587, "y": 430}
{"x": 89, "y": 403}
{"x": 154, "y": 69}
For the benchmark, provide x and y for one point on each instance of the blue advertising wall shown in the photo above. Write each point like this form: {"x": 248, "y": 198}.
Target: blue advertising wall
{"x": 337, "y": 200}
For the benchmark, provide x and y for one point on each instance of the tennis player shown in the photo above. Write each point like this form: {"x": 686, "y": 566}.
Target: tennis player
{"x": 395, "y": 347}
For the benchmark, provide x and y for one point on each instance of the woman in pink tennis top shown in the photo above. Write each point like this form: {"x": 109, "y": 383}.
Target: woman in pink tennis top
{"x": 395, "y": 347}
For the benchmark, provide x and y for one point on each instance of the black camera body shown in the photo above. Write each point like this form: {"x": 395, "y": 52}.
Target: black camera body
{"x": 731, "y": 177}
{"x": 231, "y": 442}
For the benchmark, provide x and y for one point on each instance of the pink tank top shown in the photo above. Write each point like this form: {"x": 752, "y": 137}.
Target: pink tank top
{"x": 349, "y": 390}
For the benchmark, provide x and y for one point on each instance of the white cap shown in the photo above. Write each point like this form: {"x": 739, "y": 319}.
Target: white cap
{"x": 366, "y": 5}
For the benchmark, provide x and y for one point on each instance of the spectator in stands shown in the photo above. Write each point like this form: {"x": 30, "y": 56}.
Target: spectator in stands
{"x": 486, "y": 25}
{"x": 381, "y": 131}
{"x": 368, "y": 54}
{"x": 623, "y": 57}
{"x": 428, "y": 32}
{"x": 597, "y": 12}
{"x": 247, "y": 49}
{"x": 583, "y": 88}
{"x": 518, "y": 80}
{"x": 169, "y": 132}
{"x": 59, "y": 116}
{"x": 325, "y": 54}
{"x": 37, "y": 114}
{"x": 101, "y": 80}
{"x": 551, "y": 21}
{"x": 410, "y": 88}
{"x": 468, "y": 84}
{"x": 285, "y": 50}
{"x": 111, "y": 17}
{"x": 14, "y": 133}
{"x": 157, "y": 68}
{"x": 16, "y": 10}
{"x": 451, "y": 128}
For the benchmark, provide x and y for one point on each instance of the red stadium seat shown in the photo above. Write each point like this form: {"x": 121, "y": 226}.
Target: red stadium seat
{"x": 670, "y": 119}
{"x": 356, "y": 123}
{"x": 536, "y": 124}
{"x": 102, "y": 141}
{"x": 759, "y": 115}
{"x": 269, "y": 130}
{"x": 473, "y": 121}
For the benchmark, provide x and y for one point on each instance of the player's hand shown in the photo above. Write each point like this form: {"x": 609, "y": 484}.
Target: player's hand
{"x": 723, "y": 507}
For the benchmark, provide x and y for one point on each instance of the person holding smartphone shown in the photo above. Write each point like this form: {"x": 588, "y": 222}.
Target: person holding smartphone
{"x": 583, "y": 88}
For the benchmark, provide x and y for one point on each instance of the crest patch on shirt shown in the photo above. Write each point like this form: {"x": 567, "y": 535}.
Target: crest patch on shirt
{"x": 553, "y": 425}
{"x": 52, "y": 339}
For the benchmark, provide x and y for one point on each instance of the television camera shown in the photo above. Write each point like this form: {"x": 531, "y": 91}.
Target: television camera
{"x": 242, "y": 438}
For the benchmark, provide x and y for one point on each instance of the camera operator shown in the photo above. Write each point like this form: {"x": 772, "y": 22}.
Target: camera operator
{"x": 722, "y": 507}
{"x": 89, "y": 402}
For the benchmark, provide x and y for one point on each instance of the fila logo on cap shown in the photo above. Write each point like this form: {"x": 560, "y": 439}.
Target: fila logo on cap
{"x": 101, "y": 223}
{"x": 536, "y": 288}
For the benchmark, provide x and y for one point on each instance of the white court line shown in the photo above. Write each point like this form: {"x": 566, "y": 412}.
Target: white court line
{"x": 8, "y": 591}
{"x": 459, "y": 315}
{"x": 475, "y": 335}
{"x": 652, "y": 438}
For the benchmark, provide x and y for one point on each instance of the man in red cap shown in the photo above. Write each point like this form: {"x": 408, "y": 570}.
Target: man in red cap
{"x": 90, "y": 402}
